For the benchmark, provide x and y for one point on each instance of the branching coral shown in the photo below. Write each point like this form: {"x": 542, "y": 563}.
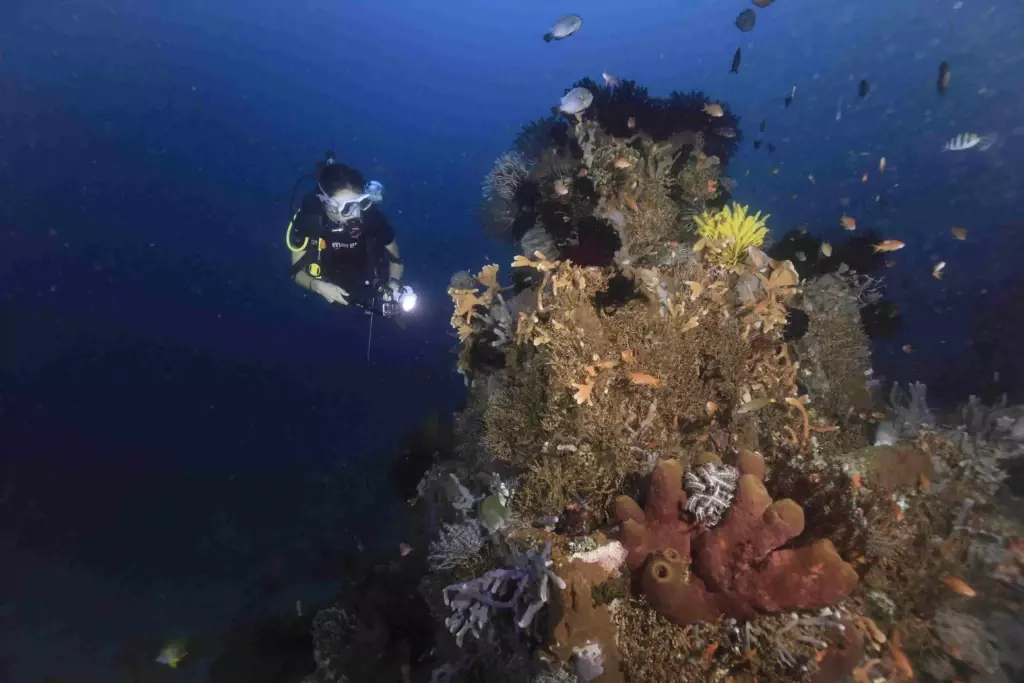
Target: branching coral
{"x": 989, "y": 438}
{"x": 482, "y": 320}
{"x": 522, "y": 589}
{"x": 726, "y": 234}
{"x": 909, "y": 414}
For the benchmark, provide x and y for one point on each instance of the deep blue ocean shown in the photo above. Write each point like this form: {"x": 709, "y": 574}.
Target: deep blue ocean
{"x": 189, "y": 441}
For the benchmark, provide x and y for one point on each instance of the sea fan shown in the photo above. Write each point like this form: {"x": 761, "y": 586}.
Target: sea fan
{"x": 726, "y": 234}
{"x": 455, "y": 545}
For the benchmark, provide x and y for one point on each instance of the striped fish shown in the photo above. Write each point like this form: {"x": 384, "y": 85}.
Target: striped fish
{"x": 965, "y": 141}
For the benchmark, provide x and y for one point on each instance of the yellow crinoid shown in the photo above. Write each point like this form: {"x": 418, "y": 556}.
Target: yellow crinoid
{"x": 726, "y": 234}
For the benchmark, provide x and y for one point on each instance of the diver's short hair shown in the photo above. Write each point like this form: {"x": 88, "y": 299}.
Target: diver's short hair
{"x": 336, "y": 177}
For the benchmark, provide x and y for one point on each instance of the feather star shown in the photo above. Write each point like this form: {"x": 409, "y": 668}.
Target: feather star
{"x": 711, "y": 488}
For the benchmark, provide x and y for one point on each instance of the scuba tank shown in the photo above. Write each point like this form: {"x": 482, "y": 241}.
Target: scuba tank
{"x": 328, "y": 159}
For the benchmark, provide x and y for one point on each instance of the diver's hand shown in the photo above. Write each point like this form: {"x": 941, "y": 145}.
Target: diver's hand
{"x": 390, "y": 286}
{"x": 332, "y": 293}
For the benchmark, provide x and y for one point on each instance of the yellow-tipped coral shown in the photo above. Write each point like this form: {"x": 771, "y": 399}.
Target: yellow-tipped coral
{"x": 726, "y": 234}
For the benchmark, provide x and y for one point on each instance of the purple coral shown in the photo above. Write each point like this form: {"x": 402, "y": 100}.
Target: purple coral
{"x": 522, "y": 588}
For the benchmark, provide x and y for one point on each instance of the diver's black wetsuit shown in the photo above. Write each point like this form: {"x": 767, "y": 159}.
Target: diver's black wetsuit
{"x": 352, "y": 256}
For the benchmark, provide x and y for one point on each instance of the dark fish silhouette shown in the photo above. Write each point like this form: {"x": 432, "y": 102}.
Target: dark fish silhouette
{"x": 757, "y": 144}
{"x": 764, "y": 124}
{"x": 771, "y": 148}
{"x": 735, "y": 62}
{"x": 763, "y": 3}
{"x": 745, "y": 20}
{"x": 790, "y": 96}
{"x": 864, "y": 88}
{"x": 944, "y": 76}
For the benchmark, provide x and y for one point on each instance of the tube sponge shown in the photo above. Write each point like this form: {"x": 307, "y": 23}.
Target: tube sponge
{"x": 738, "y": 569}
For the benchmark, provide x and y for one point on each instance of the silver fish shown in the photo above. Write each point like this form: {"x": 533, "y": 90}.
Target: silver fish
{"x": 725, "y": 131}
{"x": 965, "y": 141}
{"x": 564, "y": 27}
{"x": 610, "y": 80}
{"x": 576, "y": 101}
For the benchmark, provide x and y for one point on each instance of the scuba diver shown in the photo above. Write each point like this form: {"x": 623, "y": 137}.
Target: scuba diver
{"x": 342, "y": 246}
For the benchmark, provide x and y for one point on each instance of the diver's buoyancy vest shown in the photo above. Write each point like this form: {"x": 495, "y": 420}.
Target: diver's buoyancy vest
{"x": 333, "y": 248}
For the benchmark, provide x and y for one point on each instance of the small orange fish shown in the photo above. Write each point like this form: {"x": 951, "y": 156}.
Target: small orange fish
{"x": 631, "y": 123}
{"x": 622, "y": 162}
{"x": 958, "y": 585}
{"x": 899, "y": 658}
{"x": 631, "y": 203}
{"x": 644, "y": 378}
{"x": 959, "y": 233}
{"x": 871, "y": 629}
{"x": 864, "y": 178}
{"x": 907, "y": 348}
{"x": 712, "y": 186}
{"x": 888, "y": 245}
{"x": 890, "y": 264}
{"x": 881, "y": 165}
{"x": 708, "y": 654}
{"x": 862, "y": 674}
{"x": 848, "y": 222}
{"x": 937, "y": 270}
{"x": 879, "y": 415}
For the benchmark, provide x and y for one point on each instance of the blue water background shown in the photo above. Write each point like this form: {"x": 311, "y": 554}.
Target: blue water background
{"x": 180, "y": 424}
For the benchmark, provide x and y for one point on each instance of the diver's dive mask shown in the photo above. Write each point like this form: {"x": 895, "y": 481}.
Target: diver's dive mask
{"x": 373, "y": 193}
